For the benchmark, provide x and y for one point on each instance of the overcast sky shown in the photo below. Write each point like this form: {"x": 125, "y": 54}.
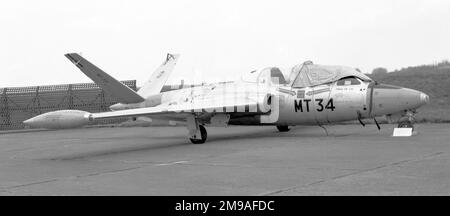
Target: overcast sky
{"x": 216, "y": 39}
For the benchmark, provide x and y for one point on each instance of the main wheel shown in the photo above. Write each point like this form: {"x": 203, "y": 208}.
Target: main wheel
{"x": 204, "y": 135}
{"x": 283, "y": 128}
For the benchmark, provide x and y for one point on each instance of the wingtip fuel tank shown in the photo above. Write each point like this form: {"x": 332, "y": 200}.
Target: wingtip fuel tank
{"x": 61, "y": 119}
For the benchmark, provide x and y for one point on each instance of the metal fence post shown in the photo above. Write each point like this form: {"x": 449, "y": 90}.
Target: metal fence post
{"x": 102, "y": 101}
{"x": 70, "y": 92}
{"x": 37, "y": 101}
{"x": 5, "y": 109}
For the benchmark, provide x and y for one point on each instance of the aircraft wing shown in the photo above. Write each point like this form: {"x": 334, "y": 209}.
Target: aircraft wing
{"x": 110, "y": 85}
{"x": 209, "y": 105}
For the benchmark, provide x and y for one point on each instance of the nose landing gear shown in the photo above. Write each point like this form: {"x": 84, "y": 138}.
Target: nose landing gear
{"x": 407, "y": 120}
{"x": 406, "y": 124}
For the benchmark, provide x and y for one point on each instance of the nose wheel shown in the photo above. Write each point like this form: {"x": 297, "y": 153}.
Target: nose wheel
{"x": 405, "y": 124}
{"x": 407, "y": 120}
{"x": 202, "y": 138}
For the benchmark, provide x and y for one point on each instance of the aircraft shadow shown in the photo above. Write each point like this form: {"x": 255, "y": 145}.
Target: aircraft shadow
{"x": 179, "y": 142}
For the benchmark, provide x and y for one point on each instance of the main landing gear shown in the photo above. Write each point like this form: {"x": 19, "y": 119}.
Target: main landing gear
{"x": 202, "y": 138}
{"x": 197, "y": 132}
{"x": 283, "y": 128}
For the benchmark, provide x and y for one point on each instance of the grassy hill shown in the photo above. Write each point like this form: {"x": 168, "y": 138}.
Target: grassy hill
{"x": 433, "y": 80}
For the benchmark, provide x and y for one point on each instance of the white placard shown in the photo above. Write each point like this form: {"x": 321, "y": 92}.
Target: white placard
{"x": 402, "y": 132}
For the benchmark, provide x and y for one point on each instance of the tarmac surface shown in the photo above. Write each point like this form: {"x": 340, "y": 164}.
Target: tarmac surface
{"x": 351, "y": 160}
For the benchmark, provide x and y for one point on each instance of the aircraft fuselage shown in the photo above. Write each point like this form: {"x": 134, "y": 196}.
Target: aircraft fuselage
{"x": 348, "y": 99}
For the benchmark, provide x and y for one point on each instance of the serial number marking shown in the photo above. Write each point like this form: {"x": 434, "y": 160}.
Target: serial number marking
{"x": 246, "y": 206}
{"x": 303, "y": 105}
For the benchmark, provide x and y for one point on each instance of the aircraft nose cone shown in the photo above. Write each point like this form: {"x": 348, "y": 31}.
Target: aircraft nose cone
{"x": 29, "y": 122}
{"x": 424, "y": 99}
{"x": 389, "y": 99}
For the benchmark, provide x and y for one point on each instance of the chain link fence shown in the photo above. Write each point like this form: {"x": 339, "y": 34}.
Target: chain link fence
{"x": 20, "y": 103}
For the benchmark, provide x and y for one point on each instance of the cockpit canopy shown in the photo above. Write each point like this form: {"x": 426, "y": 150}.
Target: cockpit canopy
{"x": 308, "y": 74}
{"x": 303, "y": 75}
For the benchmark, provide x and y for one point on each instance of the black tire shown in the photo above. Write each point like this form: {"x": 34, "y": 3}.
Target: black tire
{"x": 405, "y": 124}
{"x": 204, "y": 135}
{"x": 283, "y": 128}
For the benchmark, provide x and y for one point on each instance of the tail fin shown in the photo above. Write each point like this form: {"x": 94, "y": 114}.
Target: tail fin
{"x": 159, "y": 77}
{"x": 110, "y": 85}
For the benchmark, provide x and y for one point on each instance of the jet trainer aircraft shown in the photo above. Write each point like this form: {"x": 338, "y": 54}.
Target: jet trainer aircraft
{"x": 306, "y": 94}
